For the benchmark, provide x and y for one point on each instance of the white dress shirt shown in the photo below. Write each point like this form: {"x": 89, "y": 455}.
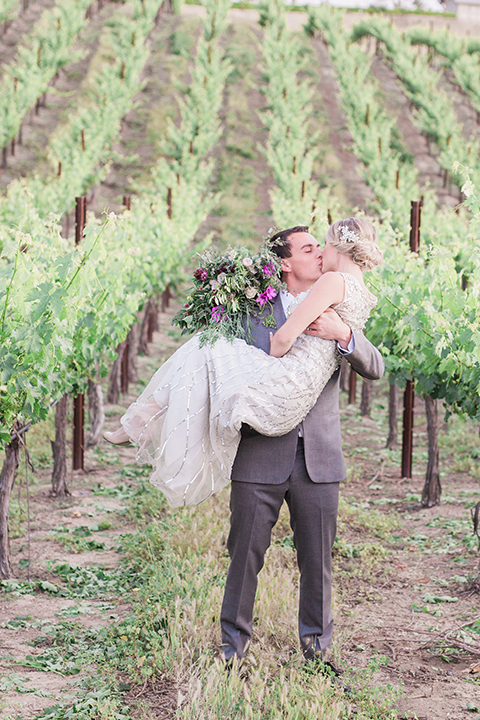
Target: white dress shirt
{"x": 287, "y": 299}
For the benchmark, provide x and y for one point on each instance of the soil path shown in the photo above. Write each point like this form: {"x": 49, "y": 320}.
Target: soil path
{"x": 415, "y": 142}
{"x": 425, "y": 587}
{"x": 402, "y": 573}
{"x": 242, "y": 175}
{"x": 97, "y": 502}
{"x": 467, "y": 116}
{"x": 144, "y": 126}
{"x": 346, "y": 169}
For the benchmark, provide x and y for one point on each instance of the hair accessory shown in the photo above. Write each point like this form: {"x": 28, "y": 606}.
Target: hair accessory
{"x": 270, "y": 234}
{"x": 349, "y": 236}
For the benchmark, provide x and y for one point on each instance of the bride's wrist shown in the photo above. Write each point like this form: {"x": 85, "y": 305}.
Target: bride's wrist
{"x": 344, "y": 341}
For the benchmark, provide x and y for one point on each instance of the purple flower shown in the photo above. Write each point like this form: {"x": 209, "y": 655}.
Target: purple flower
{"x": 218, "y": 311}
{"x": 200, "y": 274}
{"x": 269, "y": 269}
{"x": 269, "y": 294}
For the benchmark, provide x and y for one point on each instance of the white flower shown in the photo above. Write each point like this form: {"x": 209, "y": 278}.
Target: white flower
{"x": 221, "y": 278}
{"x": 214, "y": 284}
{"x": 248, "y": 262}
{"x": 349, "y": 236}
{"x": 250, "y": 292}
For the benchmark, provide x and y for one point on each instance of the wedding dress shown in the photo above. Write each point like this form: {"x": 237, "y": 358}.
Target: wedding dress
{"x": 187, "y": 421}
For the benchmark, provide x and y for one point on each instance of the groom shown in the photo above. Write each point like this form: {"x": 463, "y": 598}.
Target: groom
{"x": 304, "y": 468}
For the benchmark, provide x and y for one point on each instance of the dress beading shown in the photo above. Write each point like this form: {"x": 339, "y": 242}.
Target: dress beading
{"x": 187, "y": 421}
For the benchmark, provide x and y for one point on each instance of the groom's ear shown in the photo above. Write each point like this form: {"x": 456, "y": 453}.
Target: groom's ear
{"x": 286, "y": 267}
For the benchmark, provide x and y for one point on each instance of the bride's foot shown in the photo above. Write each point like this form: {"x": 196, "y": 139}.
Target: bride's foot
{"x": 118, "y": 437}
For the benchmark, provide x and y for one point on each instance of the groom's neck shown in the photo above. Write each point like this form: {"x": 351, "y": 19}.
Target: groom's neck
{"x": 296, "y": 286}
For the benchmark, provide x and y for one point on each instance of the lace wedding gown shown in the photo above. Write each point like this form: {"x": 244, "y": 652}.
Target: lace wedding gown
{"x": 187, "y": 421}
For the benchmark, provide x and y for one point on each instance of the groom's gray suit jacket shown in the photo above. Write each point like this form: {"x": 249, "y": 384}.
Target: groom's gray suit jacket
{"x": 263, "y": 459}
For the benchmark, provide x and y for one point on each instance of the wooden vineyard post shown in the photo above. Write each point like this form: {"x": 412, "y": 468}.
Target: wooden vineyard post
{"x": 59, "y": 473}
{"x": 78, "y": 439}
{"x": 151, "y": 320}
{"x": 166, "y": 298}
{"x": 415, "y": 220}
{"x": 408, "y": 397}
{"x": 365, "y": 406}
{"x": 432, "y": 488}
{"x": 78, "y": 404}
{"x": 124, "y": 371}
{"x": 392, "y": 415}
{"x": 80, "y": 217}
{"x": 7, "y": 478}
{"x": 352, "y": 387}
{"x": 407, "y": 444}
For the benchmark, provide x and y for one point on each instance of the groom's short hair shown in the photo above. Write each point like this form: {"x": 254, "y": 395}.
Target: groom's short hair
{"x": 279, "y": 242}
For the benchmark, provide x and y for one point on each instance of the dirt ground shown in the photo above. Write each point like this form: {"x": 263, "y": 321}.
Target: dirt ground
{"x": 391, "y": 609}
{"x": 382, "y": 609}
{"x": 397, "y": 616}
{"x": 89, "y": 504}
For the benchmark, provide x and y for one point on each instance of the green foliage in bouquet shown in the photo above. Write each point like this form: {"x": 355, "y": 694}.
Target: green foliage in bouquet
{"x": 229, "y": 289}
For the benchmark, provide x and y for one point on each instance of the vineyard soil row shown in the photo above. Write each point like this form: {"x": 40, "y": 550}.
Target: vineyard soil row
{"x": 415, "y": 143}
{"x": 144, "y": 125}
{"x": 400, "y": 570}
{"x": 66, "y": 96}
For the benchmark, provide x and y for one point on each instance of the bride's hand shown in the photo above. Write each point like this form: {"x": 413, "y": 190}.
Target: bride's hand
{"x": 330, "y": 326}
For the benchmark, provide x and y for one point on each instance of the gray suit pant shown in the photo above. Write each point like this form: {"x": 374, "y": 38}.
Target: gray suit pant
{"x": 313, "y": 517}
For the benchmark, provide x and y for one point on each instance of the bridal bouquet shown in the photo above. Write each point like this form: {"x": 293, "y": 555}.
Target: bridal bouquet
{"x": 228, "y": 291}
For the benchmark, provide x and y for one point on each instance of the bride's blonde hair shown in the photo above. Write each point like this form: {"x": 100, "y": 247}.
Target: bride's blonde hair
{"x": 357, "y": 238}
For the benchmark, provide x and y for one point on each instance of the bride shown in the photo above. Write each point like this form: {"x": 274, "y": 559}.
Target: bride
{"x": 187, "y": 421}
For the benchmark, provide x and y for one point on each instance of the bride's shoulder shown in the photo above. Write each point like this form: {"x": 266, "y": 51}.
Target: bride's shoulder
{"x": 332, "y": 278}
{"x": 332, "y": 283}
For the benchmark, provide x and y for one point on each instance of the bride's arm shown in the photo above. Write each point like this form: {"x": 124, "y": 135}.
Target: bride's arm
{"x": 328, "y": 290}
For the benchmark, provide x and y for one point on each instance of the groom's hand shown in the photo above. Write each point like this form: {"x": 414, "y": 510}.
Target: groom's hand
{"x": 330, "y": 326}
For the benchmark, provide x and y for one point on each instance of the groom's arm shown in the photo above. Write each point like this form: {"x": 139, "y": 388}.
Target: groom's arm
{"x": 364, "y": 357}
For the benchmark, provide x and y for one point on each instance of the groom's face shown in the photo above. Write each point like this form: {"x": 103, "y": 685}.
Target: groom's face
{"x": 304, "y": 267}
